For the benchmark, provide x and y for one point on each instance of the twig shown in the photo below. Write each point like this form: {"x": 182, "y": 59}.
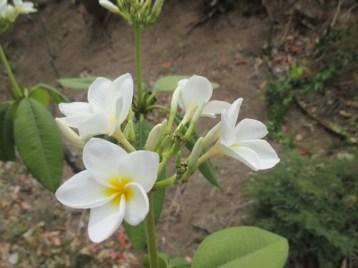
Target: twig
{"x": 338, "y": 10}
{"x": 323, "y": 124}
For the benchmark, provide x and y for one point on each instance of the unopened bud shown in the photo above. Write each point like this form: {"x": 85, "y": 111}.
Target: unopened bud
{"x": 195, "y": 154}
{"x": 155, "y": 136}
{"x": 109, "y": 6}
{"x": 212, "y": 135}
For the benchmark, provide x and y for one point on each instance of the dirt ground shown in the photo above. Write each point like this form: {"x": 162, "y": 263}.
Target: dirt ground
{"x": 63, "y": 40}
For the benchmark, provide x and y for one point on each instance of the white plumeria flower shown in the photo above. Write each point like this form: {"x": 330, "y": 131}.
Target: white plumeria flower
{"x": 113, "y": 185}
{"x": 196, "y": 92}
{"x": 24, "y": 7}
{"x": 7, "y": 11}
{"x": 244, "y": 140}
{"x": 108, "y": 105}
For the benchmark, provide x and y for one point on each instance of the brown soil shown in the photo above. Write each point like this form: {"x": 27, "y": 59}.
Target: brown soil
{"x": 62, "y": 40}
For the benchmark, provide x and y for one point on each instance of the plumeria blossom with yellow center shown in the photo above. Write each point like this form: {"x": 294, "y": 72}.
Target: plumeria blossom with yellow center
{"x": 244, "y": 142}
{"x": 114, "y": 186}
{"x": 195, "y": 93}
{"x": 108, "y": 106}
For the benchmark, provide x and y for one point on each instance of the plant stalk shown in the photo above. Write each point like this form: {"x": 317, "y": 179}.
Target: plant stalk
{"x": 150, "y": 234}
{"x": 138, "y": 66}
{"x": 16, "y": 92}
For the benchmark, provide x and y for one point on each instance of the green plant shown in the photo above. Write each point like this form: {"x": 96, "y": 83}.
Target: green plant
{"x": 312, "y": 202}
{"x": 329, "y": 61}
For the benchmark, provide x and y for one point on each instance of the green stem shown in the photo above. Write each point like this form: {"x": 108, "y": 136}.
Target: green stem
{"x": 165, "y": 182}
{"x": 138, "y": 65}
{"x": 119, "y": 136}
{"x": 150, "y": 234}
{"x": 15, "y": 88}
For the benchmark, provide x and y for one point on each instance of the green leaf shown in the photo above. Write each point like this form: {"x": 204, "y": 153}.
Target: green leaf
{"x": 169, "y": 83}
{"x": 7, "y": 147}
{"x": 142, "y": 129}
{"x": 178, "y": 262}
{"x": 55, "y": 95}
{"x": 81, "y": 83}
{"x": 40, "y": 95}
{"x": 162, "y": 261}
{"x": 136, "y": 234}
{"x": 244, "y": 247}
{"x": 39, "y": 142}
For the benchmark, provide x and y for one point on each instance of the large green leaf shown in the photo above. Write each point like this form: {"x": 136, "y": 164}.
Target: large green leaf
{"x": 170, "y": 82}
{"x": 242, "y": 247}
{"x": 7, "y": 148}
{"x": 39, "y": 142}
{"x": 136, "y": 234}
{"x": 80, "y": 83}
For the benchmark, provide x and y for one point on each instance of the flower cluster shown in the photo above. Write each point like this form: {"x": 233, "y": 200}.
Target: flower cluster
{"x": 138, "y": 13}
{"x": 9, "y": 12}
{"x": 118, "y": 177}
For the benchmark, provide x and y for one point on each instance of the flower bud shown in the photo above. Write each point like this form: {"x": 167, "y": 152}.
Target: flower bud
{"x": 213, "y": 135}
{"x": 129, "y": 130}
{"x": 69, "y": 134}
{"x": 195, "y": 154}
{"x": 155, "y": 136}
{"x": 157, "y": 9}
{"x": 109, "y": 6}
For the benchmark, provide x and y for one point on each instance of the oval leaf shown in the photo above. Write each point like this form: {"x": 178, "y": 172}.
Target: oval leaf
{"x": 244, "y": 247}
{"x": 169, "y": 83}
{"x": 81, "y": 83}
{"x": 39, "y": 143}
{"x": 7, "y": 148}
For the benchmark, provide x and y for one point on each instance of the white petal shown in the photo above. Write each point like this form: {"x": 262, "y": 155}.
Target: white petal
{"x": 81, "y": 191}
{"x": 98, "y": 91}
{"x": 228, "y": 122}
{"x": 109, "y": 6}
{"x": 28, "y": 7}
{"x": 233, "y": 112}
{"x": 74, "y": 108}
{"x": 105, "y": 220}
{"x": 95, "y": 124}
{"x": 137, "y": 206}
{"x": 245, "y": 155}
{"x": 74, "y": 120}
{"x": 196, "y": 91}
{"x": 17, "y": 2}
{"x": 250, "y": 129}
{"x": 115, "y": 120}
{"x": 267, "y": 156}
{"x": 123, "y": 88}
{"x": 141, "y": 167}
{"x": 102, "y": 159}
{"x": 215, "y": 107}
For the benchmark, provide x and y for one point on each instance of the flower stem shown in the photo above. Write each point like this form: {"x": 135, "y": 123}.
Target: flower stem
{"x": 150, "y": 234}
{"x": 119, "y": 136}
{"x": 15, "y": 88}
{"x": 138, "y": 65}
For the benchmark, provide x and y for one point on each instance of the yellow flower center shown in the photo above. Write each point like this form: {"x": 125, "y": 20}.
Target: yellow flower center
{"x": 118, "y": 188}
